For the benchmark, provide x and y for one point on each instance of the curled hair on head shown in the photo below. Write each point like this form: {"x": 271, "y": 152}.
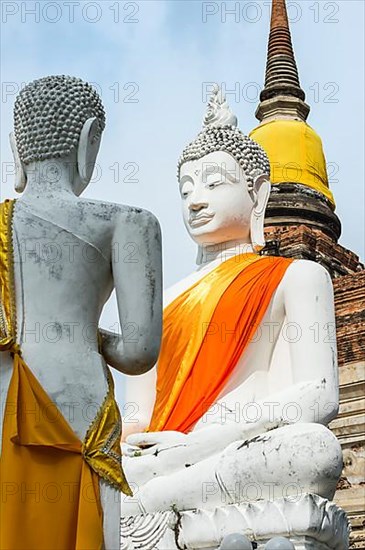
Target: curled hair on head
{"x": 220, "y": 133}
{"x": 249, "y": 154}
{"x": 49, "y": 114}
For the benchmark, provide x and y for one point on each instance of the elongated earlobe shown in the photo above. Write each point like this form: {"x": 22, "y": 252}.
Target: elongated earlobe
{"x": 88, "y": 148}
{"x": 261, "y": 190}
{"x": 20, "y": 175}
{"x": 199, "y": 256}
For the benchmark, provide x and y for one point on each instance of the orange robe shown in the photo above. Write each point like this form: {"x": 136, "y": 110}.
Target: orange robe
{"x": 49, "y": 478}
{"x": 206, "y": 330}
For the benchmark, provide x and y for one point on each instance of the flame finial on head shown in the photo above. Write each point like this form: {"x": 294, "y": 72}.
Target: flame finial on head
{"x": 221, "y": 133}
{"x": 218, "y": 111}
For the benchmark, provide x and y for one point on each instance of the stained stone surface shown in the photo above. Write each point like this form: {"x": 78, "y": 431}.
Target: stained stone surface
{"x": 309, "y": 523}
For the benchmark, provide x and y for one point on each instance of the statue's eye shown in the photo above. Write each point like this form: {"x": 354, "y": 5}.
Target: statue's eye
{"x": 186, "y": 188}
{"x": 213, "y": 184}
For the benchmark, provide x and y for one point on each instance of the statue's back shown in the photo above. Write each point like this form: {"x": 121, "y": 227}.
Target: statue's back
{"x": 63, "y": 277}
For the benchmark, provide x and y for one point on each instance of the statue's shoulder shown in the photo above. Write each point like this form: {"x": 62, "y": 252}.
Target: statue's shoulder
{"x": 306, "y": 274}
{"x": 103, "y": 209}
{"x": 117, "y": 213}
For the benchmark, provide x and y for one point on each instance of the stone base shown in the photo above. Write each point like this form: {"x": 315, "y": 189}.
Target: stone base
{"x": 303, "y": 543}
{"x": 311, "y": 523}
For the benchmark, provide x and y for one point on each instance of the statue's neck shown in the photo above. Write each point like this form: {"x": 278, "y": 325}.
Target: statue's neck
{"x": 221, "y": 252}
{"x": 49, "y": 179}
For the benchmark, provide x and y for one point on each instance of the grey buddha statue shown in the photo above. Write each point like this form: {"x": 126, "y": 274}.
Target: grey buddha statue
{"x": 61, "y": 258}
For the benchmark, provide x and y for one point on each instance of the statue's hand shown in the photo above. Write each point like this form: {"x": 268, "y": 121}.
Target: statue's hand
{"x": 144, "y": 444}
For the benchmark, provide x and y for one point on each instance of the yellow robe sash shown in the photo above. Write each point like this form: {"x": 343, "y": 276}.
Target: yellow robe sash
{"x": 206, "y": 330}
{"x": 49, "y": 478}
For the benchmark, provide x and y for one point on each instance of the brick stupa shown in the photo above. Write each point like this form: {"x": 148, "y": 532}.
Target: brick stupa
{"x": 301, "y": 223}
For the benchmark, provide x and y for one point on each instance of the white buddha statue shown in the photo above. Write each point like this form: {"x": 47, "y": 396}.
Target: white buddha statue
{"x": 68, "y": 255}
{"x": 237, "y": 407}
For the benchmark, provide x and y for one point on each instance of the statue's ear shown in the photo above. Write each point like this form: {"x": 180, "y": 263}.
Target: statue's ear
{"x": 88, "y": 148}
{"x": 20, "y": 175}
{"x": 199, "y": 255}
{"x": 261, "y": 191}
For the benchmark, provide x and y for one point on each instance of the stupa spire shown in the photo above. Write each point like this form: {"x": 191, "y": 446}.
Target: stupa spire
{"x": 282, "y": 94}
{"x": 300, "y": 192}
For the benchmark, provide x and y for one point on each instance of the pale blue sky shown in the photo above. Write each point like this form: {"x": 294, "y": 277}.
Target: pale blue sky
{"x": 150, "y": 60}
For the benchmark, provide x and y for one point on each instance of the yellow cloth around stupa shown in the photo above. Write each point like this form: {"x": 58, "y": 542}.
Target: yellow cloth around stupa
{"x": 295, "y": 152}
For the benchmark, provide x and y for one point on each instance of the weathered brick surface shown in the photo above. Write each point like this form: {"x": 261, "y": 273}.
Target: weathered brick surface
{"x": 350, "y": 317}
{"x": 303, "y": 242}
{"x": 348, "y": 275}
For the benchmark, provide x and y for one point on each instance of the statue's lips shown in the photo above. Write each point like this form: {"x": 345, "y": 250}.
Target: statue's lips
{"x": 200, "y": 220}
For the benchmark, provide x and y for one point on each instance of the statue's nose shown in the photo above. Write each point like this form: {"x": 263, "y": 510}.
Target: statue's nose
{"x": 197, "y": 206}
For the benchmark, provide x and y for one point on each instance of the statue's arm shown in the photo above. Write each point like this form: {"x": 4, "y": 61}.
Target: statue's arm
{"x": 140, "y": 396}
{"x": 309, "y": 305}
{"x": 306, "y": 294}
{"x": 137, "y": 273}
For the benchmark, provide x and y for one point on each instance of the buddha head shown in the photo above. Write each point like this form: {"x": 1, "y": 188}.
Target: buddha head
{"x": 59, "y": 120}
{"x": 224, "y": 180}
